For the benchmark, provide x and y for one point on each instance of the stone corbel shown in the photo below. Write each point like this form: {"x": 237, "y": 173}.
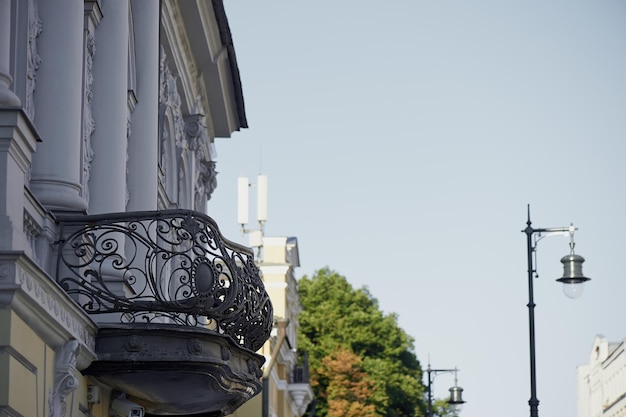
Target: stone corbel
{"x": 65, "y": 381}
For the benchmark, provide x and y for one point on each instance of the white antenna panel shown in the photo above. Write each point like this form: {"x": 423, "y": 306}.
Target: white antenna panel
{"x": 242, "y": 200}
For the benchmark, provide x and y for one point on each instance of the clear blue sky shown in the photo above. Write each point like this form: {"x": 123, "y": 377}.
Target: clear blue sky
{"x": 404, "y": 139}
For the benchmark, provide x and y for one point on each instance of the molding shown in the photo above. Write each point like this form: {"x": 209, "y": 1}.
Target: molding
{"x": 93, "y": 12}
{"x": 18, "y": 136}
{"x": 287, "y": 356}
{"x": 9, "y": 350}
{"x": 275, "y": 284}
{"x": 281, "y": 269}
{"x": 180, "y": 48}
{"x": 40, "y": 228}
{"x": 613, "y": 355}
{"x": 44, "y": 306}
{"x": 281, "y": 384}
{"x": 9, "y": 411}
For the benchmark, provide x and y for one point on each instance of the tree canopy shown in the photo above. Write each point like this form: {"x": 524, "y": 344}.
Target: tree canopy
{"x": 356, "y": 353}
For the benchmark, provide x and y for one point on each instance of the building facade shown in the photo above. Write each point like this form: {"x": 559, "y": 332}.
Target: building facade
{"x": 118, "y": 295}
{"x": 286, "y": 388}
{"x": 602, "y": 382}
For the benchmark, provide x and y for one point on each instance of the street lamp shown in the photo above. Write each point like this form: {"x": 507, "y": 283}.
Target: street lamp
{"x": 456, "y": 393}
{"x": 572, "y": 279}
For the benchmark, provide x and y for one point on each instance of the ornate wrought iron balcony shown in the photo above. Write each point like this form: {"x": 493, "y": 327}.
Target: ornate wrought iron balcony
{"x": 171, "y": 266}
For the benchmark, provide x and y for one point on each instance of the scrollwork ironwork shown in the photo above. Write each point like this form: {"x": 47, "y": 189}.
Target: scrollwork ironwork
{"x": 170, "y": 266}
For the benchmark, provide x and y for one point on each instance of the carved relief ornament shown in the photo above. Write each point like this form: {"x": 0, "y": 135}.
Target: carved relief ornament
{"x": 65, "y": 381}
{"x": 33, "y": 60}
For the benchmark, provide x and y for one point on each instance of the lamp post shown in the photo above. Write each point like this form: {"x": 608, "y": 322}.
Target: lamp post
{"x": 456, "y": 393}
{"x": 572, "y": 279}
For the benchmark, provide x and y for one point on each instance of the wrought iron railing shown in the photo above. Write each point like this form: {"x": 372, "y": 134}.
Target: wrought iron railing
{"x": 300, "y": 372}
{"x": 170, "y": 266}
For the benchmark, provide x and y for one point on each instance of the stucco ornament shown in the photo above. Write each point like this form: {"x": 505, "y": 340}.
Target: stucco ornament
{"x": 199, "y": 143}
{"x": 89, "y": 125}
{"x": 171, "y": 126}
{"x": 65, "y": 381}
{"x": 33, "y": 60}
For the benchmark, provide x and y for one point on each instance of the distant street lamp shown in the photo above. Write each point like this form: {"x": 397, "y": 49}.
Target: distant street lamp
{"x": 573, "y": 282}
{"x": 456, "y": 393}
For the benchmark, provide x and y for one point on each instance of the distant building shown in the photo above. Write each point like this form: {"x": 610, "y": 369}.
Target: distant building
{"x": 602, "y": 382}
{"x": 118, "y": 295}
{"x": 287, "y": 391}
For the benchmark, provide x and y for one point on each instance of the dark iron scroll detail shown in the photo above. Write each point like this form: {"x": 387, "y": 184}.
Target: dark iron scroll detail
{"x": 170, "y": 266}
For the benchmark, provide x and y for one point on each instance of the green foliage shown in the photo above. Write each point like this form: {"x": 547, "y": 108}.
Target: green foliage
{"x": 337, "y": 318}
{"x": 441, "y": 408}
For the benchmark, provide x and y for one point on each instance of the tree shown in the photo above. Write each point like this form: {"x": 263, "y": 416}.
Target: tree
{"x": 441, "y": 408}
{"x": 349, "y": 387}
{"x": 337, "y": 318}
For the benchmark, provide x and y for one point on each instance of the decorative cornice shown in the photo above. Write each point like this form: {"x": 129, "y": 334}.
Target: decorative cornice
{"x": 180, "y": 45}
{"x": 40, "y": 302}
{"x": 93, "y": 12}
{"x": 227, "y": 41}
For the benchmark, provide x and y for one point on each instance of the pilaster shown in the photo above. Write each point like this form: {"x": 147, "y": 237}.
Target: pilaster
{"x": 17, "y": 144}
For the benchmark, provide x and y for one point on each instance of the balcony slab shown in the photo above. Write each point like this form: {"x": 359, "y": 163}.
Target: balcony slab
{"x": 176, "y": 370}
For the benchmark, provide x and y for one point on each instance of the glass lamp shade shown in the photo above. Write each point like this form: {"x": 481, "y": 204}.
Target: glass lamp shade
{"x": 573, "y": 291}
{"x": 455, "y": 409}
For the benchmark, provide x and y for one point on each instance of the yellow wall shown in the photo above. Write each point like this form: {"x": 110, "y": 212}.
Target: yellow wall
{"x": 25, "y": 365}
{"x": 252, "y": 408}
{"x": 27, "y": 373}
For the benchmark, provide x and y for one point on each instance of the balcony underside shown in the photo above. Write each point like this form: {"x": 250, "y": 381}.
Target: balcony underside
{"x": 176, "y": 370}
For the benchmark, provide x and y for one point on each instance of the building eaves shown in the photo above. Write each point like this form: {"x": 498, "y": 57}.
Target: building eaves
{"x": 227, "y": 41}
